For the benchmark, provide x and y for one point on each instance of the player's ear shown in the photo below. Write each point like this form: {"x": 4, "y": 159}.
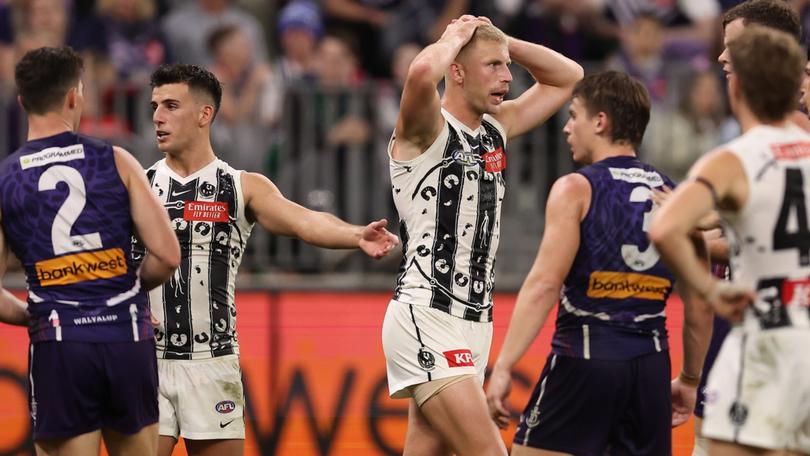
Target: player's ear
{"x": 457, "y": 73}
{"x": 72, "y": 97}
{"x": 206, "y": 115}
{"x": 602, "y": 122}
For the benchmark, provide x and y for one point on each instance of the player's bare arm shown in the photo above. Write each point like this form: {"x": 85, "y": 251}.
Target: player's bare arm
{"x": 567, "y": 205}
{"x": 717, "y": 180}
{"x": 266, "y": 205}
{"x": 420, "y": 120}
{"x": 12, "y": 310}
{"x": 151, "y": 223}
{"x": 697, "y": 332}
{"x": 555, "y": 76}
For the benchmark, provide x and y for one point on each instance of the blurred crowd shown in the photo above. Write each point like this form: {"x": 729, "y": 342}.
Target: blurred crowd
{"x": 262, "y": 49}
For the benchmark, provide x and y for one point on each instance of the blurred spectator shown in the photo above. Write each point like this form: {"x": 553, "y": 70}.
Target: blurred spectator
{"x": 688, "y": 23}
{"x": 381, "y": 26}
{"x": 575, "y": 28}
{"x": 240, "y": 133}
{"x": 642, "y": 55}
{"x": 390, "y": 94}
{"x": 299, "y": 28}
{"x": 676, "y": 139}
{"x": 187, "y": 27}
{"x": 134, "y": 38}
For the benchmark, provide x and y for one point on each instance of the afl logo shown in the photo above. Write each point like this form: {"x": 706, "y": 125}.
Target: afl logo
{"x": 225, "y": 407}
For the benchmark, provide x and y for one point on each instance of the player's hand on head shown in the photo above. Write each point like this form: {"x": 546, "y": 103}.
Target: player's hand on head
{"x": 462, "y": 28}
{"x": 730, "y": 300}
{"x": 500, "y": 384}
{"x": 376, "y": 241}
{"x": 683, "y": 402}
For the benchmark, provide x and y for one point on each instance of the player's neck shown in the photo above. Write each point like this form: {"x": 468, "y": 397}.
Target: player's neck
{"x": 191, "y": 160}
{"x": 459, "y": 109}
{"x": 609, "y": 150}
{"x": 749, "y": 120}
{"x": 46, "y": 125}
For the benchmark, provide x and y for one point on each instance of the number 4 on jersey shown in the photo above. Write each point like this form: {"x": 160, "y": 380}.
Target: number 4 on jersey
{"x": 794, "y": 201}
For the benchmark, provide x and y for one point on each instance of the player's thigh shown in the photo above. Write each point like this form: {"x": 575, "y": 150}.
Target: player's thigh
{"x": 460, "y": 415}
{"x": 81, "y": 445}
{"x": 421, "y": 439}
{"x": 226, "y": 447}
{"x": 166, "y": 445}
{"x": 143, "y": 442}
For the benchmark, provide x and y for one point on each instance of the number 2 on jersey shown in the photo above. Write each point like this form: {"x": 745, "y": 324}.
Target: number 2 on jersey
{"x": 794, "y": 201}
{"x": 69, "y": 212}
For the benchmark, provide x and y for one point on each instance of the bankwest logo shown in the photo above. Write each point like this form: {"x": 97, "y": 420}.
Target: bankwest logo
{"x": 52, "y": 155}
{"x": 621, "y": 285}
{"x": 204, "y": 211}
{"x": 458, "y": 358}
{"x": 81, "y": 267}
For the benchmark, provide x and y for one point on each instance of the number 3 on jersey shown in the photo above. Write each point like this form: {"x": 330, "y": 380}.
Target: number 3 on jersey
{"x": 635, "y": 258}
{"x": 796, "y": 235}
{"x": 69, "y": 212}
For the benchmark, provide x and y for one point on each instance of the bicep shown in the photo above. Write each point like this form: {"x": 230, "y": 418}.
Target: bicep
{"x": 561, "y": 236}
{"x": 270, "y": 209}
{"x": 533, "y": 107}
{"x": 420, "y": 118}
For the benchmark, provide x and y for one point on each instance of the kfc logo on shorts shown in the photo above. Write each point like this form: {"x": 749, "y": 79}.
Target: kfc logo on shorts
{"x": 225, "y": 407}
{"x": 459, "y": 358}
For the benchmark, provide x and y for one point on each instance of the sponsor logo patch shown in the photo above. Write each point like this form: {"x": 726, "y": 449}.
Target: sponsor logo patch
{"x": 81, "y": 267}
{"x": 637, "y": 176}
{"x": 622, "y": 285}
{"x": 426, "y": 360}
{"x": 52, "y": 155}
{"x": 225, "y": 407}
{"x": 796, "y": 292}
{"x": 204, "y": 211}
{"x": 459, "y": 358}
{"x": 792, "y": 151}
{"x": 495, "y": 161}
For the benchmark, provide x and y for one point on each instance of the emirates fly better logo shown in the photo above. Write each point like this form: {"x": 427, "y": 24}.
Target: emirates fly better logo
{"x": 206, "y": 211}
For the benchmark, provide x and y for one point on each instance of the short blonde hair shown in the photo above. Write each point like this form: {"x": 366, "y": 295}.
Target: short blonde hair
{"x": 486, "y": 32}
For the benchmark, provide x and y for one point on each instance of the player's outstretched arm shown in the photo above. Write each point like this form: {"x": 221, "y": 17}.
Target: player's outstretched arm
{"x": 151, "y": 223}
{"x": 716, "y": 180}
{"x": 420, "y": 120}
{"x": 12, "y": 310}
{"x": 266, "y": 205}
{"x": 555, "y": 76}
{"x": 566, "y": 207}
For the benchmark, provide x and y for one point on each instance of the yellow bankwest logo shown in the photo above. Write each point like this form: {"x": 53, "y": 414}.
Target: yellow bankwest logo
{"x": 621, "y": 285}
{"x": 81, "y": 267}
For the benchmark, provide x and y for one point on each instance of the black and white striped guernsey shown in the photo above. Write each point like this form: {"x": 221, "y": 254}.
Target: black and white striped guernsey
{"x": 449, "y": 203}
{"x": 196, "y": 306}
